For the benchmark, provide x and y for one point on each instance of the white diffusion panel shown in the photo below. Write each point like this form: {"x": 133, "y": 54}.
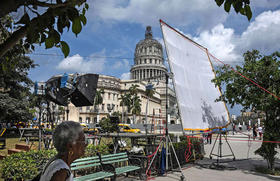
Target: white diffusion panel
{"x": 192, "y": 75}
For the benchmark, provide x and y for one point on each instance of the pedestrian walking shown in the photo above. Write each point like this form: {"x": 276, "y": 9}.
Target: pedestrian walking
{"x": 240, "y": 127}
{"x": 209, "y": 137}
{"x": 260, "y": 130}
{"x": 255, "y": 132}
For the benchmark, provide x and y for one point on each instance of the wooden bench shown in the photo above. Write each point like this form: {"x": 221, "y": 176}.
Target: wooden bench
{"x": 122, "y": 164}
{"x": 91, "y": 164}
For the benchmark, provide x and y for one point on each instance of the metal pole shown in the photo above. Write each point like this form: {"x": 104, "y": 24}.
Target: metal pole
{"x": 67, "y": 112}
{"x": 40, "y": 128}
{"x": 166, "y": 119}
{"x": 146, "y": 116}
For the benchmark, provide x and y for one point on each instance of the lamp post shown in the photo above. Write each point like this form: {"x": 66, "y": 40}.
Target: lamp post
{"x": 53, "y": 113}
{"x": 67, "y": 112}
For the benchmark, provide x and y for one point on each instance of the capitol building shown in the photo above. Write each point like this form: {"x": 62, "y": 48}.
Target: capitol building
{"x": 149, "y": 69}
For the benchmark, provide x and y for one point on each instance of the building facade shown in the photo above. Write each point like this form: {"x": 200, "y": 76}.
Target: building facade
{"x": 148, "y": 69}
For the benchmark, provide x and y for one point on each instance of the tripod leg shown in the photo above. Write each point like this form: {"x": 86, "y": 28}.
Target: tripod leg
{"x": 229, "y": 147}
{"x": 182, "y": 175}
{"x": 210, "y": 155}
{"x": 154, "y": 157}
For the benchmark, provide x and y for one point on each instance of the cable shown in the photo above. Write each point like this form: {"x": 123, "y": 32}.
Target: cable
{"x": 245, "y": 77}
{"x": 93, "y": 56}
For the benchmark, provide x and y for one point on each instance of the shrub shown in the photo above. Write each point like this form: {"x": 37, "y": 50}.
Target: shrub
{"x": 92, "y": 150}
{"x": 24, "y": 165}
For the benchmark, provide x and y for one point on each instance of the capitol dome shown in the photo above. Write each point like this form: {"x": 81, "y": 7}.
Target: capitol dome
{"x": 148, "y": 59}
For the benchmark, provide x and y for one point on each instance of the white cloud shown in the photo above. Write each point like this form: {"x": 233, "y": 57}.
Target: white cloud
{"x": 146, "y": 12}
{"x": 262, "y": 34}
{"x": 77, "y": 63}
{"x": 220, "y": 42}
{"x": 265, "y": 3}
{"x": 123, "y": 64}
{"x": 125, "y": 76}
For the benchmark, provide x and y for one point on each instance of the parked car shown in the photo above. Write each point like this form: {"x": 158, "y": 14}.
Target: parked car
{"x": 127, "y": 129}
{"x": 91, "y": 128}
{"x": 96, "y": 127}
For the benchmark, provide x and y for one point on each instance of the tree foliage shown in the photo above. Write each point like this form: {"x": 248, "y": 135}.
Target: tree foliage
{"x": 240, "y": 6}
{"x": 14, "y": 82}
{"x": 42, "y": 22}
{"x": 98, "y": 99}
{"x": 265, "y": 72}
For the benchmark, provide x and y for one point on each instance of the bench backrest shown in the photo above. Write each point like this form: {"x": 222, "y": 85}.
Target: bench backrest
{"x": 85, "y": 163}
{"x": 114, "y": 158}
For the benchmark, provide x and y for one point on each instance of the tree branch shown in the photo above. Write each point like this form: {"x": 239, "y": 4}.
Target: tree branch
{"x": 20, "y": 33}
{"x": 8, "y": 6}
{"x": 12, "y": 40}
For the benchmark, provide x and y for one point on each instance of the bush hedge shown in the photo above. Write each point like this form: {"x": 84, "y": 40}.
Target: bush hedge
{"x": 26, "y": 165}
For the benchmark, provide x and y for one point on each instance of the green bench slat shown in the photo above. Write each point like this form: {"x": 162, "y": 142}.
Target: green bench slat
{"x": 112, "y": 159}
{"x": 84, "y": 162}
{"x": 106, "y": 159}
{"x": 85, "y": 166}
{"x": 87, "y": 158}
{"x": 125, "y": 169}
{"x": 115, "y": 161}
{"x": 94, "y": 176}
{"x": 113, "y": 155}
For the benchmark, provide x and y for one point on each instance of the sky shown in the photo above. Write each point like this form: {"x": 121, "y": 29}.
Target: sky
{"x": 106, "y": 44}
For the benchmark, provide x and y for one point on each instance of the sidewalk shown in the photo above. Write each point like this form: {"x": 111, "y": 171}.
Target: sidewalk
{"x": 242, "y": 169}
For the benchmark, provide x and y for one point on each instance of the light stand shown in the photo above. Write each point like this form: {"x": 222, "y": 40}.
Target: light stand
{"x": 53, "y": 119}
{"x": 167, "y": 138}
{"x": 40, "y": 127}
{"x": 219, "y": 154}
{"x": 67, "y": 112}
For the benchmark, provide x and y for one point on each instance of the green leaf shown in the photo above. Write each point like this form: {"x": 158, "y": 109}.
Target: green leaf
{"x": 242, "y": 11}
{"x": 84, "y": 11}
{"x": 237, "y": 5}
{"x": 83, "y": 19}
{"x": 86, "y": 6}
{"x": 49, "y": 43}
{"x": 24, "y": 19}
{"x": 72, "y": 13}
{"x": 65, "y": 48}
{"x": 56, "y": 36}
{"x": 67, "y": 23}
{"x": 248, "y": 12}
{"x": 76, "y": 26}
{"x": 219, "y": 2}
{"x": 227, "y": 5}
{"x": 60, "y": 24}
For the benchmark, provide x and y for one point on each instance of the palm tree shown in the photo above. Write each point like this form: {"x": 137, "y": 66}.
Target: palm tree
{"x": 132, "y": 101}
{"x": 98, "y": 99}
{"x": 136, "y": 109}
{"x": 135, "y": 100}
{"x": 125, "y": 101}
{"x": 149, "y": 93}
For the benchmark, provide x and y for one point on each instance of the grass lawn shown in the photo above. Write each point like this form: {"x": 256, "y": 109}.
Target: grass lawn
{"x": 11, "y": 142}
